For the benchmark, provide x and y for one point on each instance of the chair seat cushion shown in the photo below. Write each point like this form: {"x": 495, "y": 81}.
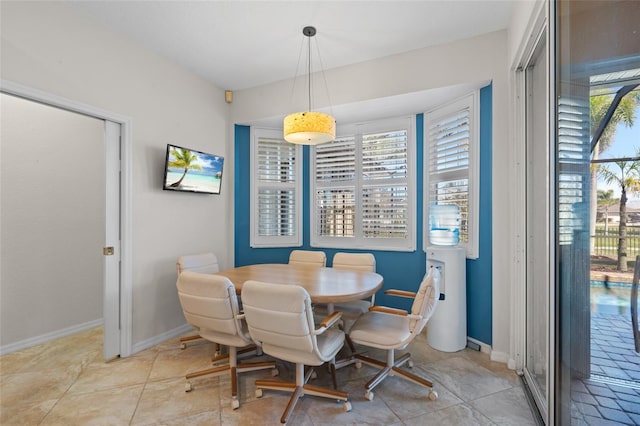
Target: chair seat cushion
{"x": 226, "y": 339}
{"x": 383, "y": 331}
{"x": 329, "y": 344}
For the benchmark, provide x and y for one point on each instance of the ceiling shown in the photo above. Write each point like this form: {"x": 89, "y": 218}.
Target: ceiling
{"x": 242, "y": 44}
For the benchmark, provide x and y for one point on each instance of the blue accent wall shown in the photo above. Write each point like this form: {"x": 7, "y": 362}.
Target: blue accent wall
{"x": 401, "y": 270}
{"x": 479, "y": 271}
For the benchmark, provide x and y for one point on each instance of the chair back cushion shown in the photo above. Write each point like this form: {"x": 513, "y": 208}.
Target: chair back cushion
{"x": 278, "y": 315}
{"x": 209, "y": 303}
{"x": 308, "y": 257}
{"x": 426, "y": 300}
{"x": 365, "y": 262}
{"x": 205, "y": 263}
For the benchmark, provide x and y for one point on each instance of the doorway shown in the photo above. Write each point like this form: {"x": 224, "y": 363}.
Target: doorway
{"x": 598, "y": 66}
{"x": 104, "y": 169}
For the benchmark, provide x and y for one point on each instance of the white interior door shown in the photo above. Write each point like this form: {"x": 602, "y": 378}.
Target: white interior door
{"x": 61, "y": 205}
{"x": 111, "y": 248}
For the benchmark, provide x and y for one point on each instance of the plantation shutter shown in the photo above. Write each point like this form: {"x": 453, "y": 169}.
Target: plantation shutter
{"x": 451, "y": 164}
{"x": 276, "y": 190}
{"x": 335, "y": 170}
{"x": 573, "y": 154}
{"x": 385, "y": 197}
{"x": 448, "y": 155}
{"x": 363, "y": 187}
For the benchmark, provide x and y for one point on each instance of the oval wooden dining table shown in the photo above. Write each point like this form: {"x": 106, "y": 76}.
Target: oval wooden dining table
{"x": 324, "y": 285}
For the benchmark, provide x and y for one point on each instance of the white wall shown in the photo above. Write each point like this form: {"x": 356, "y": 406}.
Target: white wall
{"x": 53, "y": 216}
{"x": 52, "y": 47}
{"x": 471, "y": 60}
{"x": 520, "y": 24}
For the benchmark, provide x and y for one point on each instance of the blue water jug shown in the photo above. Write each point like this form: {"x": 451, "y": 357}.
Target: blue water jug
{"x": 444, "y": 224}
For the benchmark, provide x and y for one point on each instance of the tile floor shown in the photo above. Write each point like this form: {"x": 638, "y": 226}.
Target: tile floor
{"x": 65, "y": 382}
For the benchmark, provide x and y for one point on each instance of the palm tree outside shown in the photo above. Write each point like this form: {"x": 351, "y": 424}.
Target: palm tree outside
{"x": 606, "y": 200}
{"x": 628, "y": 178}
{"x": 186, "y": 160}
{"x": 626, "y": 114}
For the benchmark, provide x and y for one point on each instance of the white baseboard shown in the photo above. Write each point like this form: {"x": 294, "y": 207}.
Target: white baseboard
{"x": 493, "y": 355}
{"x": 502, "y": 357}
{"x": 146, "y": 344}
{"x": 43, "y": 338}
{"x": 484, "y": 348}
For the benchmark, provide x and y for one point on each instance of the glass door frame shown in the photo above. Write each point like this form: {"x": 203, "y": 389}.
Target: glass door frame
{"x": 538, "y": 31}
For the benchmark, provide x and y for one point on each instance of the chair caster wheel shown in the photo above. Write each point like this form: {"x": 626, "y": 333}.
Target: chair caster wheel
{"x": 188, "y": 387}
{"x": 358, "y": 364}
{"x": 258, "y": 393}
{"x": 274, "y": 372}
{"x": 369, "y": 395}
{"x": 346, "y": 406}
{"x": 410, "y": 364}
{"x": 433, "y": 395}
{"x": 235, "y": 404}
{"x": 183, "y": 346}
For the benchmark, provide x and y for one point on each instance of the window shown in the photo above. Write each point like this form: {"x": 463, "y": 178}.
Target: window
{"x": 276, "y": 190}
{"x": 363, "y": 187}
{"x": 451, "y": 165}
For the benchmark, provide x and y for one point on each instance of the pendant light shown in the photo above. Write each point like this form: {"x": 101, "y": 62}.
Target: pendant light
{"x": 309, "y": 127}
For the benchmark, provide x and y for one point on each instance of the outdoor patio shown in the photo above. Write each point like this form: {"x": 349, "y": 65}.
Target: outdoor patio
{"x": 611, "y": 396}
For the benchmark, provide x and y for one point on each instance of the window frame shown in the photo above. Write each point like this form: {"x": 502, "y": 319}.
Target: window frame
{"x": 472, "y": 102}
{"x": 407, "y": 244}
{"x": 258, "y": 241}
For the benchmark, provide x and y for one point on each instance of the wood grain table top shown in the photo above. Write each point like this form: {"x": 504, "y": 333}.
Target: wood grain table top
{"x": 324, "y": 285}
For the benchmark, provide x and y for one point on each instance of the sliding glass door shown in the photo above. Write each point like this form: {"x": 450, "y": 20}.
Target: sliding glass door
{"x": 537, "y": 223}
{"x": 597, "y": 378}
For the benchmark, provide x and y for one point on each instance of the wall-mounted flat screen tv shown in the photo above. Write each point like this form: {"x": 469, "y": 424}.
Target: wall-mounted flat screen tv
{"x": 192, "y": 171}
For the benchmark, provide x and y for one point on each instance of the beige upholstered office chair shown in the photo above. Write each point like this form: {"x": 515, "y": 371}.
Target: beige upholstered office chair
{"x": 351, "y": 311}
{"x": 308, "y": 257}
{"x": 204, "y": 263}
{"x": 209, "y": 302}
{"x": 280, "y": 318}
{"x": 391, "y": 329}
{"x": 365, "y": 262}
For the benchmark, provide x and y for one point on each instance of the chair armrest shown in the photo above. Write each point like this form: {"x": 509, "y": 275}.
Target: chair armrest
{"x": 386, "y": 310}
{"x": 328, "y": 322}
{"x": 401, "y": 293}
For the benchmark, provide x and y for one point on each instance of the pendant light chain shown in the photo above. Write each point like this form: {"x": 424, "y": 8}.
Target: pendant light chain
{"x": 309, "y": 68}
{"x": 309, "y": 128}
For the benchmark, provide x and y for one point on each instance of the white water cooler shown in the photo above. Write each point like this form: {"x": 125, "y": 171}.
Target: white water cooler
{"x": 447, "y": 328}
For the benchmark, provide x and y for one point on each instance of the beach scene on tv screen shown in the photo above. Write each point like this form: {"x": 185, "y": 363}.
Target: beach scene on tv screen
{"x": 189, "y": 170}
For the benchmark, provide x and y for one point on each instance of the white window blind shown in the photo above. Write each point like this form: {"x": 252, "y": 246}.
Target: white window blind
{"x": 451, "y": 165}
{"x": 385, "y": 197}
{"x": 573, "y": 152}
{"x": 276, "y": 190}
{"x": 335, "y": 173}
{"x": 362, "y": 188}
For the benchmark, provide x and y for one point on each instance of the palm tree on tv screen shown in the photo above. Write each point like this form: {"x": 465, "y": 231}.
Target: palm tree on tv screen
{"x": 185, "y": 159}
